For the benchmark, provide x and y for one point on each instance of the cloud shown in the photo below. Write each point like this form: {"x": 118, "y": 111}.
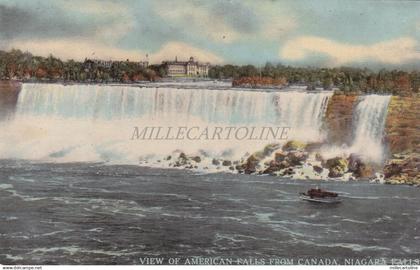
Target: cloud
{"x": 195, "y": 20}
{"x": 226, "y": 21}
{"x": 114, "y": 19}
{"x": 94, "y": 6}
{"x": 19, "y": 22}
{"x": 397, "y": 51}
{"x": 105, "y": 20}
{"x": 79, "y": 49}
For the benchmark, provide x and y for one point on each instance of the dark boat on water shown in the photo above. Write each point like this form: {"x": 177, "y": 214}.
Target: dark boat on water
{"x": 320, "y": 196}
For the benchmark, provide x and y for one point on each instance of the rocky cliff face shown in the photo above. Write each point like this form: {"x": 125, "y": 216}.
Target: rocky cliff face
{"x": 9, "y": 91}
{"x": 403, "y": 140}
{"x": 403, "y": 125}
{"x": 339, "y": 118}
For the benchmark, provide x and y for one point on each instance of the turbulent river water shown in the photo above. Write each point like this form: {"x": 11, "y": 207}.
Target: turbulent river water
{"x": 80, "y": 213}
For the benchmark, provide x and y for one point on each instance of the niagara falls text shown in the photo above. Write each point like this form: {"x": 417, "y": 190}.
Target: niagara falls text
{"x": 210, "y": 133}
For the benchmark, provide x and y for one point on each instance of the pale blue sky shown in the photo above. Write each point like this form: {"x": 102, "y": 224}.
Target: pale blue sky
{"x": 298, "y": 32}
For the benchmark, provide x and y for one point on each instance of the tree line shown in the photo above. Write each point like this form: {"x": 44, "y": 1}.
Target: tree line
{"x": 19, "y": 65}
{"x": 345, "y": 79}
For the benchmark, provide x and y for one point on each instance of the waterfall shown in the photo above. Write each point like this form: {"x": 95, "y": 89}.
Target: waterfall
{"x": 95, "y": 122}
{"x": 368, "y": 124}
{"x": 291, "y": 108}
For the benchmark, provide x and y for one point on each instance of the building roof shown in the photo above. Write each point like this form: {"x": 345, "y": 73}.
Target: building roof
{"x": 191, "y": 61}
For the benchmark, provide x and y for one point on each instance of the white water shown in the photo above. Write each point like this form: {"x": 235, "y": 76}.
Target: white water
{"x": 369, "y": 122}
{"x": 95, "y": 122}
{"x": 291, "y": 108}
{"x": 369, "y": 118}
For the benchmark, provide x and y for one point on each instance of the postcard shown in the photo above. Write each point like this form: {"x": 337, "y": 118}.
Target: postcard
{"x": 225, "y": 132}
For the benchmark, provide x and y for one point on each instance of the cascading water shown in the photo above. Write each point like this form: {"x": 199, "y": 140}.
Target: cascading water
{"x": 95, "y": 122}
{"x": 369, "y": 118}
{"x": 369, "y": 122}
{"x": 297, "y": 109}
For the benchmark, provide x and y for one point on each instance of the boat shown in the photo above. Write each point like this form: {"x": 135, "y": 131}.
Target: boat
{"x": 320, "y": 196}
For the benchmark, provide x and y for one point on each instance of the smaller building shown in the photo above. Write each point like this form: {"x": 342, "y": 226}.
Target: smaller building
{"x": 90, "y": 63}
{"x": 190, "y": 68}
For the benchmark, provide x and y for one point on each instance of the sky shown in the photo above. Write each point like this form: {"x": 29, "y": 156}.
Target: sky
{"x": 327, "y": 33}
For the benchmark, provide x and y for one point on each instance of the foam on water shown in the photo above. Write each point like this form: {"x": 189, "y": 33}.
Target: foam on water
{"x": 91, "y": 123}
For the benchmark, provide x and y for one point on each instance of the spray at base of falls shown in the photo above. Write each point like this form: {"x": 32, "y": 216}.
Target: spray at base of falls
{"x": 94, "y": 123}
{"x": 369, "y": 118}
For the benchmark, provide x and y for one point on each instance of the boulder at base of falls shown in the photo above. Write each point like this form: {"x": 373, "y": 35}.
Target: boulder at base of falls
{"x": 270, "y": 148}
{"x": 296, "y": 158}
{"x": 337, "y": 166}
{"x": 252, "y": 162}
{"x": 403, "y": 171}
{"x": 359, "y": 168}
{"x": 274, "y": 167}
{"x": 318, "y": 169}
{"x": 215, "y": 162}
{"x": 197, "y": 159}
{"x": 227, "y": 163}
{"x": 294, "y": 146}
{"x": 250, "y": 166}
{"x": 181, "y": 161}
{"x": 279, "y": 156}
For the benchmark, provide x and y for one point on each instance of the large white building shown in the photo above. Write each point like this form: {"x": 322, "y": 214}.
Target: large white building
{"x": 189, "y": 68}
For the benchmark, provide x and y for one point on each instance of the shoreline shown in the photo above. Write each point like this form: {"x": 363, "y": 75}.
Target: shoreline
{"x": 193, "y": 171}
{"x": 197, "y": 171}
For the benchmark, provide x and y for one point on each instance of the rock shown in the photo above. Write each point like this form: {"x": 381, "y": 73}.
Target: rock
{"x": 182, "y": 156}
{"x": 364, "y": 171}
{"x": 318, "y": 169}
{"x": 196, "y": 159}
{"x": 182, "y": 159}
{"x": 270, "y": 148}
{"x": 239, "y": 168}
{"x": 273, "y": 167}
{"x": 296, "y": 157}
{"x": 284, "y": 164}
{"x": 401, "y": 126}
{"x": 215, "y": 162}
{"x": 231, "y": 168}
{"x": 338, "y": 118}
{"x": 294, "y": 146}
{"x": 289, "y": 171}
{"x": 337, "y": 166}
{"x": 403, "y": 171}
{"x": 227, "y": 163}
{"x": 313, "y": 146}
{"x": 318, "y": 157}
{"x": 392, "y": 169}
{"x": 354, "y": 162}
{"x": 279, "y": 156}
{"x": 252, "y": 163}
{"x": 359, "y": 168}
{"x": 168, "y": 158}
